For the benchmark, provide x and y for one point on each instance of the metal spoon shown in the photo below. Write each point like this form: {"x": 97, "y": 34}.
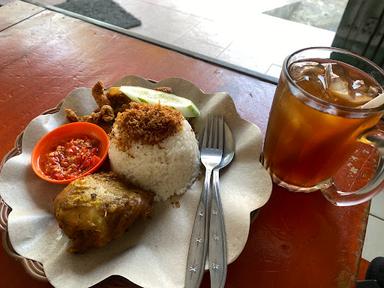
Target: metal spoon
{"x": 217, "y": 251}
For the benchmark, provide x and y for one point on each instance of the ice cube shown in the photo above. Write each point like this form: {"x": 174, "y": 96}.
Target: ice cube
{"x": 360, "y": 88}
{"x": 357, "y": 84}
{"x": 305, "y": 70}
{"x": 335, "y": 84}
{"x": 309, "y": 76}
{"x": 363, "y": 92}
{"x": 373, "y": 91}
{"x": 339, "y": 88}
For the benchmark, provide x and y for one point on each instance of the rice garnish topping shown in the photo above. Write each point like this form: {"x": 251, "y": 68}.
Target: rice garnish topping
{"x": 146, "y": 124}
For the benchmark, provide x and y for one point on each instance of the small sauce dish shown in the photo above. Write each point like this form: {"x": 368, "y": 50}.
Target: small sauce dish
{"x": 69, "y": 152}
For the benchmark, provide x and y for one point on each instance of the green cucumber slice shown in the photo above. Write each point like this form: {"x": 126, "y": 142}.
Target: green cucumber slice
{"x": 145, "y": 95}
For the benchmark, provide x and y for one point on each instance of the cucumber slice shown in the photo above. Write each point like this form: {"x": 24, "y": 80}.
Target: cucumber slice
{"x": 144, "y": 95}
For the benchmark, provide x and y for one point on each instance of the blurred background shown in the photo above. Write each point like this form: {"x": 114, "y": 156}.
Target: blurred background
{"x": 252, "y": 35}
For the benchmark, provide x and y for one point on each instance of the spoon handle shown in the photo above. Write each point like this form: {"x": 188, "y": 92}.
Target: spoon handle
{"x": 217, "y": 251}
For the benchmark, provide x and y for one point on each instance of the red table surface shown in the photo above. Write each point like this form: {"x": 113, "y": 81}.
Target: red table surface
{"x": 297, "y": 239}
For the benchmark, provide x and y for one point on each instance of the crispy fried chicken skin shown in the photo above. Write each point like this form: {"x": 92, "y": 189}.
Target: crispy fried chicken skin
{"x": 99, "y": 96}
{"x": 98, "y": 208}
{"x": 105, "y": 114}
{"x": 118, "y": 100}
{"x": 109, "y": 102}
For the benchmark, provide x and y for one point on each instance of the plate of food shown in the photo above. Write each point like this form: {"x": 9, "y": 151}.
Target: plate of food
{"x": 133, "y": 215}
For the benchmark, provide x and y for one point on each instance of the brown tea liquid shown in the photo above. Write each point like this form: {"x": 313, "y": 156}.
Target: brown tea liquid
{"x": 306, "y": 145}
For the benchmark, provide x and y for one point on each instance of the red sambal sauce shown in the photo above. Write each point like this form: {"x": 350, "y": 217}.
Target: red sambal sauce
{"x": 70, "y": 158}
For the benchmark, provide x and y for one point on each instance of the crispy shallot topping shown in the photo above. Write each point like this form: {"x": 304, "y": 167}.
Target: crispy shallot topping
{"x": 146, "y": 124}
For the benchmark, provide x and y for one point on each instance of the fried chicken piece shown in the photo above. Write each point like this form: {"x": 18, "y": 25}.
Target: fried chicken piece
{"x": 98, "y": 208}
{"x": 72, "y": 115}
{"x": 106, "y": 111}
{"x": 119, "y": 101}
{"x": 99, "y": 96}
{"x": 106, "y": 114}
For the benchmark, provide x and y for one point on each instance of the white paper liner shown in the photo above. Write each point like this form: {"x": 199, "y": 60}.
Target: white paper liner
{"x": 153, "y": 253}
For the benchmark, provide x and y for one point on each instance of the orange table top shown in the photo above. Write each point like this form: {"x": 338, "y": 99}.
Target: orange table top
{"x": 297, "y": 239}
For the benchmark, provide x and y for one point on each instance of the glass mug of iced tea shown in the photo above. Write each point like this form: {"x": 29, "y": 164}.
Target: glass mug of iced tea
{"x": 318, "y": 114}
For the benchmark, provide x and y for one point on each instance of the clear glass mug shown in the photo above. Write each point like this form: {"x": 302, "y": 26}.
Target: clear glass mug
{"x": 309, "y": 138}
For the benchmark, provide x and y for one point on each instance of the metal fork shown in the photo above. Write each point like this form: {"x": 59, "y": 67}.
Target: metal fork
{"x": 211, "y": 152}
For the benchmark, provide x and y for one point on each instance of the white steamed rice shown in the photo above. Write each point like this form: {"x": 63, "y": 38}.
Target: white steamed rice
{"x": 166, "y": 169}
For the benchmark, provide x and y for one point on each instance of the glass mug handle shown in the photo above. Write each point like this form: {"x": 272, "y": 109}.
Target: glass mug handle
{"x": 374, "y": 137}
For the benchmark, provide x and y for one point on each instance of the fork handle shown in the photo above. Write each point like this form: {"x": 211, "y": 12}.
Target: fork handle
{"x": 198, "y": 245}
{"x": 217, "y": 251}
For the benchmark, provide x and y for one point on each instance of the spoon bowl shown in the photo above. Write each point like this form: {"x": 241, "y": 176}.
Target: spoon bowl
{"x": 229, "y": 147}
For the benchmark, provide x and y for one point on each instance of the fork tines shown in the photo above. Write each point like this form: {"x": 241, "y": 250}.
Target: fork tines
{"x": 213, "y": 134}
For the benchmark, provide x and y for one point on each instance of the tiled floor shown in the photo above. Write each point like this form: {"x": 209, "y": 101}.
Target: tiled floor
{"x": 238, "y": 33}
{"x": 374, "y": 237}
{"x": 373, "y": 243}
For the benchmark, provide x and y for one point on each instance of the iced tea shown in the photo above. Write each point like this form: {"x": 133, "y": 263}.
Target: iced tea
{"x": 310, "y": 134}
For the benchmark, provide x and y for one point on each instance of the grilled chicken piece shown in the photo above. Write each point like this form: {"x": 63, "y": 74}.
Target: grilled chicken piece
{"x": 97, "y": 208}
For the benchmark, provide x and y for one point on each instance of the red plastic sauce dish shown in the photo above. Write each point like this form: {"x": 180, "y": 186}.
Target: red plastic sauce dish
{"x": 69, "y": 152}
